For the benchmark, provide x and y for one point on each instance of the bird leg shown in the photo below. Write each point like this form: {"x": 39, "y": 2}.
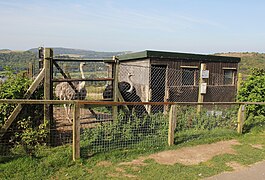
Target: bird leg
{"x": 67, "y": 111}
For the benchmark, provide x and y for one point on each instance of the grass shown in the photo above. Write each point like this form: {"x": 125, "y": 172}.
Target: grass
{"x": 56, "y": 163}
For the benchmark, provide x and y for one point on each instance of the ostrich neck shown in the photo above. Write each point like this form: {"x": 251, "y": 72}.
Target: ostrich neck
{"x": 82, "y": 71}
{"x": 131, "y": 84}
{"x": 82, "y": 83}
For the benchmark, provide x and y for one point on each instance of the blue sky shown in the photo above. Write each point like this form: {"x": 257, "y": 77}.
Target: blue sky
{"x": 197, "y": 26}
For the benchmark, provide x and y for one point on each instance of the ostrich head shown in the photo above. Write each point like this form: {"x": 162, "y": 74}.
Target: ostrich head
{"x": 130, "y": 82}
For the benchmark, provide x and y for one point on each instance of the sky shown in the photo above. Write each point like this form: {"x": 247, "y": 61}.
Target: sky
{"x": 192, "y": 26}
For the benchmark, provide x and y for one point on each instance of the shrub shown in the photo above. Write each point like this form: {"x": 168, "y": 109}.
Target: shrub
{"x": 253, "y": 90}
{"x": 28, "y": 128}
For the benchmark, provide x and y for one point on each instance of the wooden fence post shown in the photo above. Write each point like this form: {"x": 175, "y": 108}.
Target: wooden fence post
{"x": 76, "y": 132}
{"x": 200, "y": 95}
{"x": 115, "y": 87}
{"x": 48, "y": 54}
{"x": 172, "y": 124}
{"x": 240, "y": 118}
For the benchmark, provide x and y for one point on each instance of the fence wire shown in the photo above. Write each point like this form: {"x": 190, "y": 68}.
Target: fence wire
{"x": 102, "y": 133}
{"x": 162, "y": 84}
{"x": 142, "y": 125}
{"x": 130, "y": 131}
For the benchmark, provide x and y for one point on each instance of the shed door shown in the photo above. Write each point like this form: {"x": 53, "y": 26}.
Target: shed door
{"x": 158, "y": 82}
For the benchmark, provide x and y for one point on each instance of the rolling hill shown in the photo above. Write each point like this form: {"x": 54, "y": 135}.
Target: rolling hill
{"x": 19, "y": 60}
{"x": 249, "y": 60}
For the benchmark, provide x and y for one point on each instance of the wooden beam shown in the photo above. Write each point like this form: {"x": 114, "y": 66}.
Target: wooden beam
{"x": 80, "y": 79}
{"x": 18, "y": 108}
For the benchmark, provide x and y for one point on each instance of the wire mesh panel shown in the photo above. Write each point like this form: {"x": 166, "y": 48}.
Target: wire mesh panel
{"x": 209, "y": 118}
{"x": 158, "y": 83}
{"x": 81, "y": 89}
{"x": 29, "y": 133}
{"x": 126, "y": 131}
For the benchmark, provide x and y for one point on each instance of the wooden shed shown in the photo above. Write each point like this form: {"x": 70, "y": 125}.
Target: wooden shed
{"x": 170, "y": 76}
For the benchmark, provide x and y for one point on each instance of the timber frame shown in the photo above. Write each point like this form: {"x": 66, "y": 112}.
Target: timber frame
{"x": 46, "y": 62}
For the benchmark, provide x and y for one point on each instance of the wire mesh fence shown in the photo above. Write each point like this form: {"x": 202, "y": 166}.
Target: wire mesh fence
{"x": 104, "y": 133}
{"x": 81, "y": 88}
{"x": 134, "y": 125}
{"x": 162, "y": 84}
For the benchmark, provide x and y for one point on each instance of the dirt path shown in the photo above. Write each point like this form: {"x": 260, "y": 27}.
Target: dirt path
{"x": 189, "y": 155}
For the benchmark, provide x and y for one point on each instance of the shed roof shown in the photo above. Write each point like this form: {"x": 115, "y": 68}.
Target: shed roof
{"x": 175, "y": 55}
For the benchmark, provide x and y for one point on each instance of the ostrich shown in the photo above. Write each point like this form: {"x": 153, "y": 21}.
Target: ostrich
{"x": 64, "y": 91}
{"x": 128, "y": 93}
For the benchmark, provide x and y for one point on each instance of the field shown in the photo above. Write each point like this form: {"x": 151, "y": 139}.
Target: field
{"x": 201, "y": 160}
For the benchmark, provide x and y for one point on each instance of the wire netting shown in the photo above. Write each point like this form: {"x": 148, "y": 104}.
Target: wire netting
{"x": 136, "y": 125}
{"x": 81, "y": 89}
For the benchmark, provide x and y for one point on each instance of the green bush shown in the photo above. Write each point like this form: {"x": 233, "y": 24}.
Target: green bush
{"x": 28, "y": 129}
{"x": 253, "y": 90}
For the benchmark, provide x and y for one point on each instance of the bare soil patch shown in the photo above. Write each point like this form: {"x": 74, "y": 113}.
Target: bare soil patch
{"x": 195, "y": 155}
{"x": 188, "y": 155}
{"x": 257, "y": 146}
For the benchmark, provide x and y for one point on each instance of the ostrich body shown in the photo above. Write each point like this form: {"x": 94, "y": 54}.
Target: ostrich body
{"x": 128, "y": 93}
{"x": 65, "y": 92}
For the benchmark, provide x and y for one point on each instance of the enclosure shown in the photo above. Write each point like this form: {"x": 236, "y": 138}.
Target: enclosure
{"x": 137, "y": 100}
{"x": 176, "y": 77}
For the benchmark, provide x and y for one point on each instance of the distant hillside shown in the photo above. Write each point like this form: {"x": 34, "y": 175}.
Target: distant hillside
{"x": 81, "y": 53}
{"x": 19, "y": 60}
{"x": 248, "y": 60}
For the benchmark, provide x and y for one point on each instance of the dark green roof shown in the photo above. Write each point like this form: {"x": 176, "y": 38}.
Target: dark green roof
{"x": 175, "y": 55}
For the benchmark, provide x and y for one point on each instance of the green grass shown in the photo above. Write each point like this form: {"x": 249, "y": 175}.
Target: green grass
{"x": 56, "y": 163}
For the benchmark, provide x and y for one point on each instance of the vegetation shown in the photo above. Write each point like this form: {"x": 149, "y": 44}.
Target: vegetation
{"x": 56, "y": 163}
{"x": 249, "y": 60}
{"x": 126, "y": 131}
{"x": 28, "y": 130}
{"x": 34, "y": 160}
{"x": 17, "y": 60}
{"x": 253, "y": 90}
